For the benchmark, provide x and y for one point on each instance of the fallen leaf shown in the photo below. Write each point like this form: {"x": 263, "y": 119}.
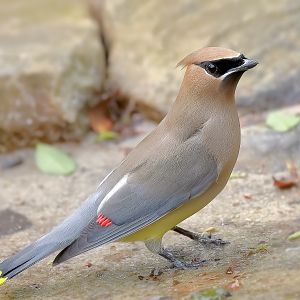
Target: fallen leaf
{"x": 89, "y": 264}
{"x": 263, "y": 247}
{"x": 210, "y": 230}
{"x": 285, "y": 179}
{"x": 281, "y": 121}
{"x": 237, "y": 175}
{"x": 107, "y": 135}
{"x": 260, "y": 248}
{"x": 234, "y": 285}
{"x": 210, "y": 294}
{"x": 99, "y": 117}
{"x": 52, "y": 160}
{"x": 229, "y": 270}
{"x": 248, "y": 196}
{"x": 294, "y": 236}
{"x": 284, "y": 184}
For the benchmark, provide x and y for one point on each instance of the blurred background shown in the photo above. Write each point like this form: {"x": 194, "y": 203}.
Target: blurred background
{"x": 95, "y": 76}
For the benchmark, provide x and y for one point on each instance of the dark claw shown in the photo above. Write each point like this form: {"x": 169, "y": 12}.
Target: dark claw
{"x": 176, "y": 265}
{"x": 200, "y": 238}
{"x": 211, "y": 240}
{"x": 185, "y": 266}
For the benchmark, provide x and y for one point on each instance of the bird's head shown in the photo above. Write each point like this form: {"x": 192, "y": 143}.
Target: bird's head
{"x": 215, "y": 69}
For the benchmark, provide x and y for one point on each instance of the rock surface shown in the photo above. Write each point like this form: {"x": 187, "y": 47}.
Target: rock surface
{"x": 121, "y": 271}
{"x": 52, "y": 66}
{"x": 149, "y": 38}
{"x": 268, "y": 149}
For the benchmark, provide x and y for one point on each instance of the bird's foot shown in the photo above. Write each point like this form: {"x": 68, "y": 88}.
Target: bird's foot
{"x": 206, "y": 240}
{"x": 180, "y": 265}
{"x": 156, "y": 247}
{"x": 209, "y": 240}
{"x": 177, "y": 265}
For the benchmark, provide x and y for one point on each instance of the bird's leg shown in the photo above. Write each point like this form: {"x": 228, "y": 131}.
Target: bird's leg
{"x": 206, "y": 240}
{"x": 155, "y": 246}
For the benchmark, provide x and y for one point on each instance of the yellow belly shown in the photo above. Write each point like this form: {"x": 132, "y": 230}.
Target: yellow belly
{"x": 161, "y": 226}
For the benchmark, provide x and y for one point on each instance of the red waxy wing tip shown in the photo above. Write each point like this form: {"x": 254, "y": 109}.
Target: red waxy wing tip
{"x": 103, "y": 221}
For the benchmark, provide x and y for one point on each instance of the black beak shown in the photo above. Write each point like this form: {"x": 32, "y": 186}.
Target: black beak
{"x": 248, "y": 64}
{"x": 244, "y": 65}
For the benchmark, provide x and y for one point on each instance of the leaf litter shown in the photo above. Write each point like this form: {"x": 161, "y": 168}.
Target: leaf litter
{"x": 281, "y": 121}
{"x": 112, "y": 118}
{"x": 51, "y": 160}
{"x": 287, "y": 178}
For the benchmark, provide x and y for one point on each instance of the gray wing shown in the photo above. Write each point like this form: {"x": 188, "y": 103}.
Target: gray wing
{"x": 147, "y": 193}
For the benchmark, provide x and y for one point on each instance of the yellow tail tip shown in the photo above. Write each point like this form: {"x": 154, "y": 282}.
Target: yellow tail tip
{"x": 2, "y": 279}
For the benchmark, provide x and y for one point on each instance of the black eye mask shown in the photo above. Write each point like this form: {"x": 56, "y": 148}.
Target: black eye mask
{"x": 219, "y": 67}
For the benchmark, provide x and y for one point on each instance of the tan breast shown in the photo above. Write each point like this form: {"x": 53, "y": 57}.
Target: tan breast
{"x": 222, "y": 136}
{"x": 224, "y": 145}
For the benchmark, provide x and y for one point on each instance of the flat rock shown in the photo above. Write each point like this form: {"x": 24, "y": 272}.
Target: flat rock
{"x": 52, "y": 67}
{"x": 149, "y": 38}
{"x": 262, "y": 147}
{"x": 122, "y": 271}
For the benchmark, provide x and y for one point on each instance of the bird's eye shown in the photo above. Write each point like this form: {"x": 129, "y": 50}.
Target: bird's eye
{"x": 211, "y": 68}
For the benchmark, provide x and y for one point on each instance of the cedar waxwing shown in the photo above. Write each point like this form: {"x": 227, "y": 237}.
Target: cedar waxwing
{"x": 173, "y": 173}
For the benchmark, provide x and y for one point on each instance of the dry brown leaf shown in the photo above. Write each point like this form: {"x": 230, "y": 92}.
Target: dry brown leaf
{"x": 99, "y": 117}
{"x": 248, "y": 196}
{"x": 88, "y": 264}
{"x": 234, "y": 285}
{"x": 230, "y": 270}
{"x": 284, "y": 180}
{"x": 210, "y": 230}
{"x": 287, "y": 178}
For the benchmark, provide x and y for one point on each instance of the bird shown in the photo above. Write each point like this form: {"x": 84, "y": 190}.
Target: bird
{"x": 182, "y": 165}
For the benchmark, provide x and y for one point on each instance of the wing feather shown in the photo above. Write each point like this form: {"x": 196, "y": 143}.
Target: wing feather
{"x": 157, "y": 187}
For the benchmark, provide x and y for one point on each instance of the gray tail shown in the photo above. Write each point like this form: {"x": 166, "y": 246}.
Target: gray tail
{"x": 27, "y": 257}
{"x": 59, "y": 238}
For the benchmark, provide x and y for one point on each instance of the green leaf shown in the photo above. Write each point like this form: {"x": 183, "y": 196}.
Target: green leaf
{"x": 260, "y": 248}
{"x": 210, "y": 294}
{"x": 107, "y": 135}
{"x": 236, "y": 175}
{"x": 294, "y": 236}
{"x": 281, "y": 121}
{"x": 52, "y": 160}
